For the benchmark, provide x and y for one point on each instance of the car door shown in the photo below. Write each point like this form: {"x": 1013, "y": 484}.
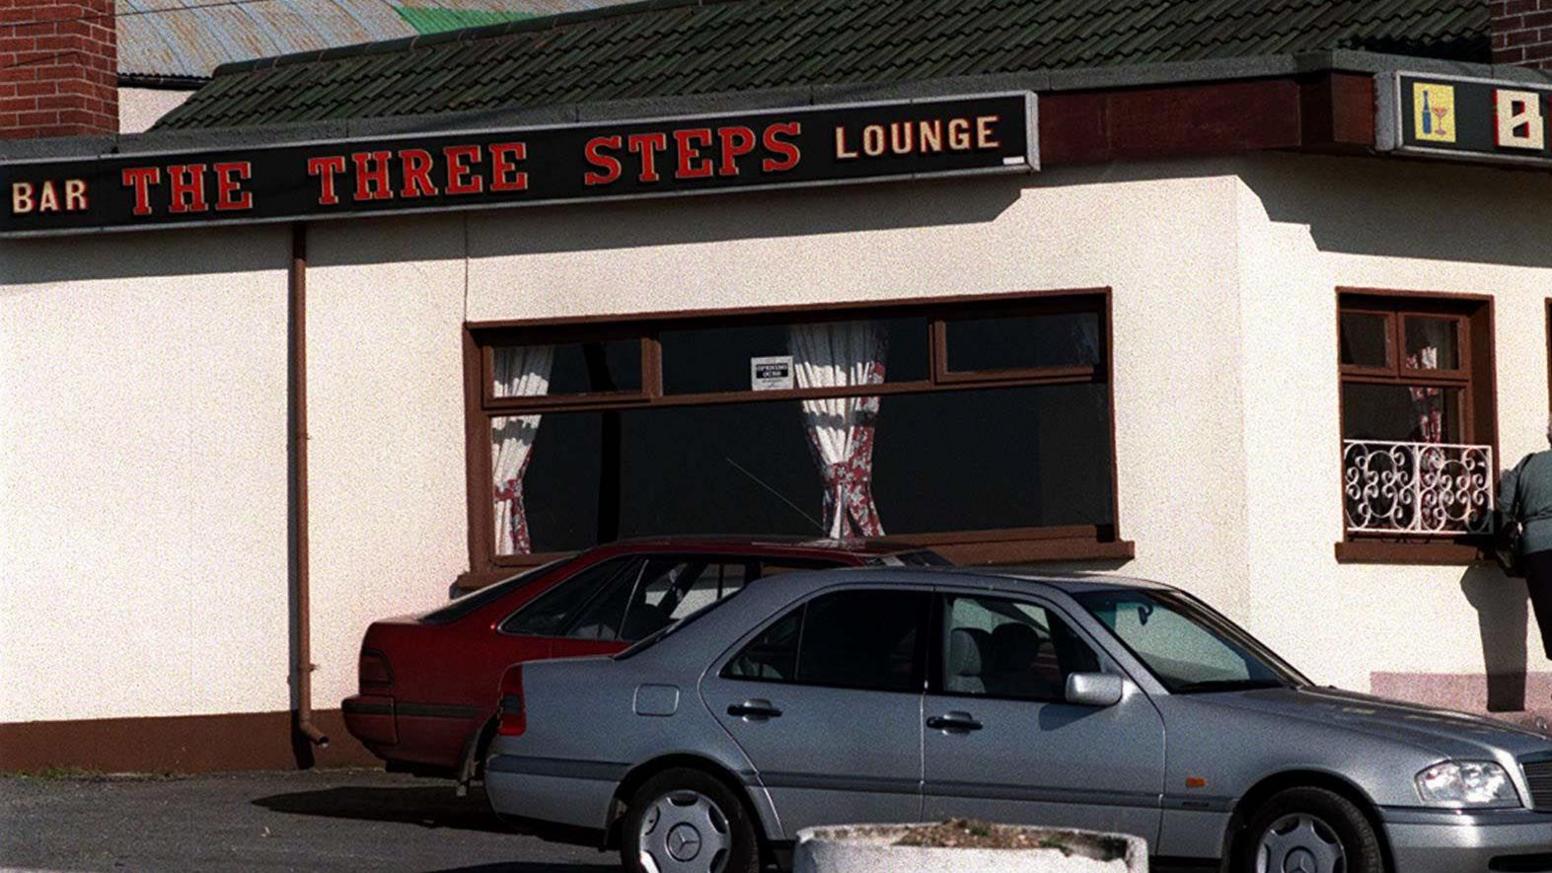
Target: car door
{"x": 826, "y": 702}
{"x": 1002, "y": 743}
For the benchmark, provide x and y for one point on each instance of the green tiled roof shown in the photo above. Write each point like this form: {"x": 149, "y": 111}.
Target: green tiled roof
{"x": 436, "y": 19}
{"x": 678, "y": 47}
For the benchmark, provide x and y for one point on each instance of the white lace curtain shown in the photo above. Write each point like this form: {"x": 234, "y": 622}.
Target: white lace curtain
{"x": 840, "y": 429}
{"x": 520, "y": 371}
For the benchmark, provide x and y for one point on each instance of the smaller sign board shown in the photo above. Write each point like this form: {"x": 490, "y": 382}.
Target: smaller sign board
{"x": 1462, "y": 117}
{"x": 771, "y": 373}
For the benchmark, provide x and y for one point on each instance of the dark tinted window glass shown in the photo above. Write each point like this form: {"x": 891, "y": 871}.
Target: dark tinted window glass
{"x": 712, "y": 359}
{"x": 1365, "y": 339}
{"x": 957, "y": 460}
{"x": 554, "y": 611}
{"x": 1409, "y": 413}
{"x": 603, "y": 616}
{"x": 1060, "y": 340}
{"x": 773, "y": 655}
{"x": 863, "y": 639}
{"x": 586, "y": 368}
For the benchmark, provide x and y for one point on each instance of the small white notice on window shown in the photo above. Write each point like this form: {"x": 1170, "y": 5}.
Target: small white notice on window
{"x": 773, "y": 373}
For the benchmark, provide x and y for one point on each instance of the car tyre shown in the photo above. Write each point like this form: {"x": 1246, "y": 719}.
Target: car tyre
{"x": 688, "y": 821}
{"x": 1309, "y": 829}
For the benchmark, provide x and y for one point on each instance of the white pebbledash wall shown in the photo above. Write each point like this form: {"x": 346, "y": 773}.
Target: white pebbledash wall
{"x": 143, "y": 427}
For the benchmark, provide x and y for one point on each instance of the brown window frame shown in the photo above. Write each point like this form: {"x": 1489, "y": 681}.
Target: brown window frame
{"x": 1475, "y": 377}
{"x": 984, "y": 546}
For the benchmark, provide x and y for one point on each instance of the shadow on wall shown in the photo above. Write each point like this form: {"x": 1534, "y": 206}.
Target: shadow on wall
{"x": 752, "y": 215}
{"x": 1413, "y": 209}
{"x": 1502, "y": 607}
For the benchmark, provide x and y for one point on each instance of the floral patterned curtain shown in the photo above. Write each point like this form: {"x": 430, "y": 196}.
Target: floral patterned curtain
{"x": 1427, "y": 401}
{"x": 840, "y": 429}
{"x": 520, "y": 371}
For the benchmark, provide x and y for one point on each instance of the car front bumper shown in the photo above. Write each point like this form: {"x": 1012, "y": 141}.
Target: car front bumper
{"x": 1428, "y": 841}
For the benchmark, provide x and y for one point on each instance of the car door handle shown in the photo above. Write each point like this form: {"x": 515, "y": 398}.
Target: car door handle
{"x": 954, "y": 722}
{"x": 755, "y": 710}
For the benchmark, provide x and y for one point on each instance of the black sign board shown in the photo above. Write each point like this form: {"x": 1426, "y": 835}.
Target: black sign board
{"x": 810, "y": 145}
{"x": 1467, "y": 118}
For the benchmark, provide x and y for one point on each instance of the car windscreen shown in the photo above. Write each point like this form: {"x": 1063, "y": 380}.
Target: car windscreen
{"x": 489, "y": 594}
{"x": 1185, "y": 645}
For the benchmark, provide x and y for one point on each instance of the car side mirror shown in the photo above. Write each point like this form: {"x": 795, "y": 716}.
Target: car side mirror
{"x": 1095, "y": 689}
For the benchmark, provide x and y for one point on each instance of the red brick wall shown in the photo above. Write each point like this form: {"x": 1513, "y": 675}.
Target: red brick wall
{"x": 58, "y": 68}
{"x": 1522, "y": 32}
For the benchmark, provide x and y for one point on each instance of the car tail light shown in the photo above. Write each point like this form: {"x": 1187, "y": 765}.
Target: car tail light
{"x": 373, "y": 670}
{"x": 514, "y": 711}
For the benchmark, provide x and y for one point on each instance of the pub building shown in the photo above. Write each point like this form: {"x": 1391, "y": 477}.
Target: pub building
{"x": 1249, "y": 299}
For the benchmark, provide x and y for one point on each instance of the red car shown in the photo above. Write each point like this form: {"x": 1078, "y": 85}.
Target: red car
{"x": 429, "y": 683}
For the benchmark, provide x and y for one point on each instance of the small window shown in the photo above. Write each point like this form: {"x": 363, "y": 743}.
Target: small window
{"x": 555, "y": 611}
{"x": 705, "y": 360}
{"x": 1418, "y": 416}
{"x": 1007, "y": 648}
{"x": 1433, "y": 342}
{"x": 1365, "y": 339}
{"x": 864, "y": 639}
{"x": 773, "y": 655}
{"x": 1030, "y": 342}
{"x": 565, "y": 369}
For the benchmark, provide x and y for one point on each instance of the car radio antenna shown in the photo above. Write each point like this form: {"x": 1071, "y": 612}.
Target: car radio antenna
{"x": 779, "y": 496}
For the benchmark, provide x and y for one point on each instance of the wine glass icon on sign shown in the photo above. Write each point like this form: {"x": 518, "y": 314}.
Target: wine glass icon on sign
{"x": 1439, "y": 113}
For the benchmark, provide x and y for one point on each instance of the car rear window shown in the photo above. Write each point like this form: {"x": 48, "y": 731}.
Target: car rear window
{"x": 920, "y": 558}
{"x": 489, "y": 594}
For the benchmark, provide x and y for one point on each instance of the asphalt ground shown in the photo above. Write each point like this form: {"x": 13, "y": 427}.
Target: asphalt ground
{"x": 326, "y": 820}
{"x": 320, "y": 820}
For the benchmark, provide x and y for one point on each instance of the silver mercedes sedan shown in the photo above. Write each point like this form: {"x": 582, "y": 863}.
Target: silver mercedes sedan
{"x": 877, "y": 695}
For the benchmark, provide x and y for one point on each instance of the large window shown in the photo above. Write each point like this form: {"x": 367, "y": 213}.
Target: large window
{"x": 1417, "y": 415}
{"x": 982, "y": 424}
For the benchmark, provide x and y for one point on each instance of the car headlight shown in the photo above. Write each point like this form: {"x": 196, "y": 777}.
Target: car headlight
{"x": 1467, "y": 783}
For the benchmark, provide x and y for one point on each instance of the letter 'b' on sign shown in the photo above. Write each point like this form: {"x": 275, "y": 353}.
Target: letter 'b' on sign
{"x": 1519, "y": 122}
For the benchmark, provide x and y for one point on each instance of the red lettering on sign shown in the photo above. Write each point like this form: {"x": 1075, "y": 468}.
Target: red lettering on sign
{"x": 647, "y": 145}
{"x": 186, "y": 187}
{"x": 691, "y": 164}
{"x": 736, "y": 142}
{"x": 609, "y": 164}
{"x": 503, "y": 166}
{"x": 458, "y": 179}
{"x": 142, "y": 178}
{"x": 372, "y": 175}
{"x": 325, "y": 168}
{"x": 787, "y": 152}
{"x": 229, "y": 193}
{"x": 416, "y": 164}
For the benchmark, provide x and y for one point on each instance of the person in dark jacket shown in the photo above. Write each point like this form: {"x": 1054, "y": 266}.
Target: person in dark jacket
{"x": 1527, "y": 493}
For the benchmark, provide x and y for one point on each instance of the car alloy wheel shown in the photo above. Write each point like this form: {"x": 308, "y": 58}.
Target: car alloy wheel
{"x": 684, "y": 832}
{"x": 1306, "y": 829}
{"x": 1300, "y": 843}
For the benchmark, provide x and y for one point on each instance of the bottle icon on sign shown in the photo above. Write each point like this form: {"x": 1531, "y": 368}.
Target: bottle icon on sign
{"x": 1427, "y": 115}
